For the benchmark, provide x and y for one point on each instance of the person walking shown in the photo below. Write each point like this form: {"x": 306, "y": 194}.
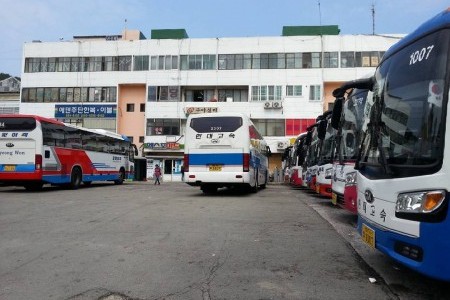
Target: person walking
{"x": 182, "y": 172}
{"x": 157, "y": 174}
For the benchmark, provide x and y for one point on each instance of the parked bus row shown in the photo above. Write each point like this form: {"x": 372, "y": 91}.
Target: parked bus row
{"x": 35, "y": 151}
{"x": 390, "y": 152}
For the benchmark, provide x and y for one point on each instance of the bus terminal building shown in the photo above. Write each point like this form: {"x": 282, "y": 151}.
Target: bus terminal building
{"x": 145, "y": 88}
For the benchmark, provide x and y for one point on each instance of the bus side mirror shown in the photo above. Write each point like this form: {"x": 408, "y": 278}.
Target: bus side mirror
{"x": 337, "y": 111}
{"x": 135, "y": 149}
{"x": 322, "y": 129}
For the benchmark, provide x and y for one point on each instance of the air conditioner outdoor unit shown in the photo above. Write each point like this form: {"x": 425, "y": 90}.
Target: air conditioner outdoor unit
{"x": 267, "y": 104}
{"x": 277, "y": 104}
{"x": 281, "y": 145}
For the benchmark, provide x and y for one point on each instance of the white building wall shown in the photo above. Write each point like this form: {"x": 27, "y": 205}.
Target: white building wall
{"x": 293, "y": 107}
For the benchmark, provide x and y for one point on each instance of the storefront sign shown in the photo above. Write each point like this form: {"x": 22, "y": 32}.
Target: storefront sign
{"x": 85, "y": 111}
{"x": 163, "y": 146}
{"x": 200, "y": 110}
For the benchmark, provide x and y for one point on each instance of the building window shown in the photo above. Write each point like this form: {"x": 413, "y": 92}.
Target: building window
{"x": 368, "y": 58}
{"x": 233, "y": 95}
{"x": 130, "y": 107}
{"x": 141, "y": 63}
{"x": 163, "y": 93}
{"x": 124, "y": 63}
{"x": 293, "y": 90}
{"x": 270, "y": 127}
{"x": 297, "y": 126}
{"x": 69, "y": 94}
{"x": 142, "y": 107}
{"x": 141, "y": 139}
{"x": 266, "y": 92}
{"x": 347, "y": 59}
{"x": 330, "y": 60}
{"x": 200, "y": 95}
{"x": 163, "y": 126}
{"x": 198, "y": 62}
{"x": 314, "y": 93}
{"x": 131, "y": 138}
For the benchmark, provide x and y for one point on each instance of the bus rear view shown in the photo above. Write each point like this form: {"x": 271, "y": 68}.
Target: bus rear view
{"x": 224, "y": 151}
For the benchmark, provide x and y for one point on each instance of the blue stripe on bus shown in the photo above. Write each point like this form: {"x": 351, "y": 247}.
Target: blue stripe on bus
{"x": 59, "y": 179}
{"x": 216, "y": 158}
{"x": 19, "y": 168}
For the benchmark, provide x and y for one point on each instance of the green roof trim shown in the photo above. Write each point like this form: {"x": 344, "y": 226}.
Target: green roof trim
{"x": 311, "y": 30}
{"x": 175, "y": 34}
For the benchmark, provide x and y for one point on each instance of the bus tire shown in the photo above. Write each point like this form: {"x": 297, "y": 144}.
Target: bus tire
{"x": 254, "y": 189}
{"x": 209, "y": 189}
{"x": 263, "y": 186}
{"x": 75, "y": 178}
{"x": 33, "y": 186}
{"x": 121, "y": 177}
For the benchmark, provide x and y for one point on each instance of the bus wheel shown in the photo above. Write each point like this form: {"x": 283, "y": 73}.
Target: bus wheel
{"x": 121, "y": 177}
{"x": 33, "y": 186}
{"x": 75, "y": 178}
{"x": 209, "y": 189}
{"x": 255, "y": 188}
{"x": 263, "y": 186}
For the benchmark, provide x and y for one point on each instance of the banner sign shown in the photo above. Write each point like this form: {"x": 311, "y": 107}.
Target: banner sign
{"x": 200, "y": 110}
{"x": 85, "y": 111}
{"x": 164, "y": 146}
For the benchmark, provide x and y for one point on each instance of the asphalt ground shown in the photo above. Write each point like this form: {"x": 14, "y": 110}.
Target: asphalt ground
{"x": 141, "y": 241}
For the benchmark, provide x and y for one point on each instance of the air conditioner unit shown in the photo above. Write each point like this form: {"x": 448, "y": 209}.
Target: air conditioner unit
{"x": 277, "y": 104}
{"x": 267, "y": 104}
{"x": 281, "y": 145}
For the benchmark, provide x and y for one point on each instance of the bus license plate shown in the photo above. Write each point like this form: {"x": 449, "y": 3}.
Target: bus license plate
{"x": 215, "y": 168}
{"x": 8, "y": 168}
{"x": 334, "y": 198}
{"x": 368, "y": 235}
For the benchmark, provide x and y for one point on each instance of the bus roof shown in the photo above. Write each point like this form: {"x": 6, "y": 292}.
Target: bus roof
{"x": 54, "y": 121}
{"x": 36, "y": 117}
{"x": 441, "y": 20}
{"x": 219, "y": 114}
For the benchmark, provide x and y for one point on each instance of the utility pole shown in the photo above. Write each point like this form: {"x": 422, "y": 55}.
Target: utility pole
{"x": 373, "y": 18}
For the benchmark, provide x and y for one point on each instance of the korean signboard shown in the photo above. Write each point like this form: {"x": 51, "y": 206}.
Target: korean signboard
{"x": 85, "y": 111}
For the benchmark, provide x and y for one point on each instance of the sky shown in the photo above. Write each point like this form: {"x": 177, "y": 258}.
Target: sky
{"x": 51, "y": 20}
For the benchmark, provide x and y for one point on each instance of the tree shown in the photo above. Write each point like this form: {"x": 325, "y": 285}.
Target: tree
{"x": 6, "y": 75}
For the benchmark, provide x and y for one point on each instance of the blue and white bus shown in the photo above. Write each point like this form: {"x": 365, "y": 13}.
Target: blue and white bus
{"x": 224, "y": 150}
{"x": 404, "y": 163}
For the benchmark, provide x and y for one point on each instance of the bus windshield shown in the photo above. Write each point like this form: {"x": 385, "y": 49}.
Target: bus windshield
{"x": 312, "y": 155}
{"x": 406, "y": 129}
{"x": 353, "y": 110}
{"x": 216, "y": 124}
{"x": 327, "y": 146}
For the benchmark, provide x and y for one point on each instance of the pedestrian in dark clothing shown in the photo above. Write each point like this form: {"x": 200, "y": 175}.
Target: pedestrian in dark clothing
{"x": 157, "y": 174}
{"x": 182, "y": 173}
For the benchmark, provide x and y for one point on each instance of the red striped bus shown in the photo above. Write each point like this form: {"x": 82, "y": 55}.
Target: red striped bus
{"x": 35, "y": 151}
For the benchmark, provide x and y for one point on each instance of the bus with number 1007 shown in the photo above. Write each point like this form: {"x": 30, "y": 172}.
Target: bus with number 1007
{"x": 224, "y": 150}
{"x": 404, "y": 162}
{"x": 35, "y": 151}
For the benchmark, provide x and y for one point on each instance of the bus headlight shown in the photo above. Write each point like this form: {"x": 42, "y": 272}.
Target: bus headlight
{"x": 350, "y": 178}
{"x": 328, "y": 173}
{"x": 419, "y": 202}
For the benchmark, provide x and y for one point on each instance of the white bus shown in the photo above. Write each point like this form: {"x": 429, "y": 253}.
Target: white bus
{"x": 224, "y": 150}
{"x": 35, "y": 151}
{"x": 404, "y": 163}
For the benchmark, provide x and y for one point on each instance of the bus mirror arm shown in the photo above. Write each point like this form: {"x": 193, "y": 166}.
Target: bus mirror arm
{"x": 135, "y": 149}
